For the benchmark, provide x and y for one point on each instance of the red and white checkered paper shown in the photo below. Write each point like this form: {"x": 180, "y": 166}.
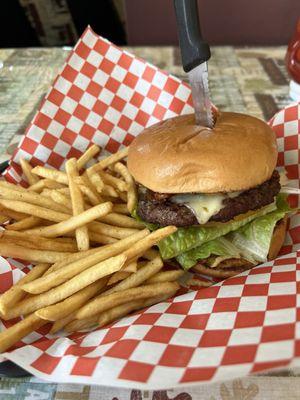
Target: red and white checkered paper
{"x": 242, "y": 325}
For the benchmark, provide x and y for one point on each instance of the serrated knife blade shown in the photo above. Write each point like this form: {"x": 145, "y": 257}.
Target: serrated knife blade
{"x": 198, "y": 78}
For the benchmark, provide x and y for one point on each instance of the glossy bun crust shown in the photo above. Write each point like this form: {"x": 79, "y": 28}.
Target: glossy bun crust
{"x": 177, "y": 156}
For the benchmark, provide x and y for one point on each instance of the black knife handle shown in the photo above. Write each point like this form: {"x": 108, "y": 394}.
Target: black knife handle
{"x": 194, "y": 51}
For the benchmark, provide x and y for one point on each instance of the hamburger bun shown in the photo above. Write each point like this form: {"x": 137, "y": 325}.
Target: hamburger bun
{"x": 177, "y": 156}
{"x": 278, "y": 238}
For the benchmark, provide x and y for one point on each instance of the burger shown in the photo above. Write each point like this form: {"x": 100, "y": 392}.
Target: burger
{"x": 219, "y": 186}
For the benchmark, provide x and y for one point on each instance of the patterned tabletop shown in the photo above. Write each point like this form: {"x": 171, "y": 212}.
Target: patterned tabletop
{"x": 250, "y": 80}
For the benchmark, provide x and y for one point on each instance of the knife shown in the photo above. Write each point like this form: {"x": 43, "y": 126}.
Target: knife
{"x": 194, "y": 53}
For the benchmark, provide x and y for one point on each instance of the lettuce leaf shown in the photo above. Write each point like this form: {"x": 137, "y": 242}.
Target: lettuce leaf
{"x": 251, "y": 241}
{"x": 185, "y": 239}
{"x": 218, "y": 247}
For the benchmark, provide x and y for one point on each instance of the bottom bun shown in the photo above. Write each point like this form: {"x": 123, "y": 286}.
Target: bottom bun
{"x": 278, "y": 238}
{"x": 234, "y": 266}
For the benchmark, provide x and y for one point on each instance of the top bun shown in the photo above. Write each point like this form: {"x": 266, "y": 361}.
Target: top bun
{"x": 177, "y": 156}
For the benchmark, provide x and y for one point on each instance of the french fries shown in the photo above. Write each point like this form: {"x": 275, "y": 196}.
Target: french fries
{"x": 36, "y": 242}
{"x": 61, "y": 275}
{"x": 106, "y": 162}
{"x": 27, "y": 168}
{"x": 45, "y": 183}
{"x": 33, "y": 255}
{"x": 61, "y": 292}
{"x": 111, "y": 300}
{"x": 32, "y": 198}
{"x": 21, "y": 329}
{"x": 82, "y": 236}
{"x": 166, "y": 276}
{"x": 87, "y": 156}
{"x": 24, "y": 223}
{"x": 72, "y": 223}
{"x": 95, "y": 263}
{"x": 121, "y": 311}
{"x": 15, "y": 293}
{"x": 71, "y": 304}
{"x": 51, "y": 174}
{"x": 131, "y": 191}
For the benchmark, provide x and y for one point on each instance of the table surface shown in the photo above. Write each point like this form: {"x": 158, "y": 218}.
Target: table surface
{"x": 250, "y": 80}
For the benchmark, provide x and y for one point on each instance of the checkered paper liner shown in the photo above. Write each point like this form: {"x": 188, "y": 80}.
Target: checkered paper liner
{"x": 245, "y": 324}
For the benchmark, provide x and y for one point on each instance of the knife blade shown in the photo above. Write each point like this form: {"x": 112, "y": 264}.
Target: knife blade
{"x": 198, "y": 78}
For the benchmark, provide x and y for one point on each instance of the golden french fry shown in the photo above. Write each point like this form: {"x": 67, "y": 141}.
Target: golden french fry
{"x": 15, "y": 294}
{"x": 130, "y": 266}
{"x": 68, "y": 288}
{"x": 100, "y": 238}
{"x": 83, "y": 324}
{"x": 85, "y": 182}
{"x": 74, "y": 222}
{"x": 26, "y": 168}
{"x": 82, "y": 234}
{"x": 95, "y": 179}
{"x": 5, "y": 184}
{"x": 14, "y": 214}
{"x": 122, "y": 220}
{"x": 103, "y": 303}
{"x": 45, "y": 183}
{"x": 118, "y": 312}
{"x": 63, "y": 309}
{"x": 52, "y": 174}
{"x": 110, "y": 230}
{"x": 21, "y": 329}
{"x": 73, "y": 257}
{"x": 139, "y": 249}
{"x": 165, "y": 276}
{"x": 131, "y": 187}
{"x": 87, "y": 156}
{"x": 34, "y": 210}
{"x": 138, "y": 277}
{"x": 106, "y": 162}
{"x": 111, "y": 180}
{"x": 37, "y": 242}
{"x": 61, "y": 198}
{"x": 120, "y": 209}
{"x": 31, "y": 198}
{"x": 110, "y": 191}
{"x": 61, "y": 323}
{"x": 124, "y": 309}
{"x": 118, "y": 276}
{"x": 93, "y": 198}
{"x": 33, "y": 255}
{"x": 64, "y": 190}
{"x": 26, "y": 223}
{"x": 56, "y": 277}
{"x": 77, "y": 256}
{"x": 46, "y": 193}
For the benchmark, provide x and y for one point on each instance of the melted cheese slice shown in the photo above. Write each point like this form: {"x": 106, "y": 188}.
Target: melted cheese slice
{"x": 204, "y": 206}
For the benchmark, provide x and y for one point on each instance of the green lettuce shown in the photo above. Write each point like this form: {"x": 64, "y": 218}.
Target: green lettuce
{"x": 185, "y": 239}
{"x": 218, "y": 247}
{"x": 251, "y": 241}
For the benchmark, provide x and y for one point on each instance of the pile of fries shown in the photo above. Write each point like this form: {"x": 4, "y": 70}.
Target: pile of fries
{"x": 93, "y": 262}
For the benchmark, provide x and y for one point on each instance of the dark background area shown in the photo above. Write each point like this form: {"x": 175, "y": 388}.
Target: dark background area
{"x": 27, "y": 23}
{"x": 223, "y": 22}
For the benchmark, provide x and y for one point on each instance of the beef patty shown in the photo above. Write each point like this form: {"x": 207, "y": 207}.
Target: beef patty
{"x": 158, "y": 209}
